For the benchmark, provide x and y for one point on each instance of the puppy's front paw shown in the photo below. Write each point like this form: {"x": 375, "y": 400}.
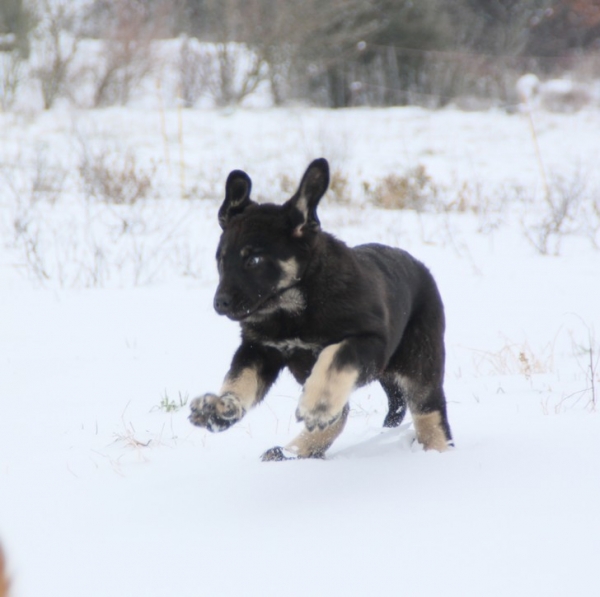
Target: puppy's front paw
{"x": 216, "y": 413}
{"x": 319, "y": 416}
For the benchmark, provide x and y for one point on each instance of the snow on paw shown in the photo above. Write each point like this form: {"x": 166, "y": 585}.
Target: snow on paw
{"x": 216, "y": 413}
{"x": 320, "y": 416}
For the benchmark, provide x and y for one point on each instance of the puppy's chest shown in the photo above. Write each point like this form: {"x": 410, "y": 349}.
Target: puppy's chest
{"x": 291, "y": 336}
{"x": 290, "y": 346}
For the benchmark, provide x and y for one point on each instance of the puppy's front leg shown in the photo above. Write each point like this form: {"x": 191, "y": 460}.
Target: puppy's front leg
{"x": 253, "y": 370}
{"x": 338, "y": 370}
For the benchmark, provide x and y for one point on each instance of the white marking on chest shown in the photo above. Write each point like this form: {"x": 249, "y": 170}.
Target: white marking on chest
{"x": 292, "y": 301}
{"x": 291, "y": 344}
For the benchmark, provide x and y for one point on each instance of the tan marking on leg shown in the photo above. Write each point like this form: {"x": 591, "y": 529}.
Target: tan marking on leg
{"x": 327, "y": 389}
{"x": 245, "y": 386}
{"x": 429, "y": 431}
{"x": 311, "y": 444}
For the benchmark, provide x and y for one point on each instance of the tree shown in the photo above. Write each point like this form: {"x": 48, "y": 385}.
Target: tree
{"x": 16, "y": 20}
{"x": 58, "y": 48}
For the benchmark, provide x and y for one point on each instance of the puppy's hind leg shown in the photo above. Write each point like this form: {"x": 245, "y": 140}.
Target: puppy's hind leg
{"x": 418, "y": 367}
{"x": 429, "y": 415}
{"x": 396, "y": 401}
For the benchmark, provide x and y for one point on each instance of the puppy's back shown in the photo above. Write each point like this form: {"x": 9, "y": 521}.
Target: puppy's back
{"x": 405, "y": 274}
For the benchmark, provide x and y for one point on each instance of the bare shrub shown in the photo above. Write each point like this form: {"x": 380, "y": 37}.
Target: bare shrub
{"x": 413, "y": 190}
{"x": 27, "y": 238}
{"x": 57, "y": 48}
{"x": 103, "y": 232}
{"x": 11, "y": 75}
{"x": 225, "y": 71}
{"x": 26, "y": 234}
{"x": 488, "y": 205}
{"x": 562, "y": 215}
{"x": 588, "y": 360}
{"x": 48, "y": 178}
{"x": 114, "y": 177}
{"x": 191, "y": 67}
{"x": 274, "y": 30}
{"x": 232, "y": 72}
{"x": 33, "y": 181}
{"x": 233, "y": 66}
{"x": 30, "y": 191}
{"x": 127, "y": 55}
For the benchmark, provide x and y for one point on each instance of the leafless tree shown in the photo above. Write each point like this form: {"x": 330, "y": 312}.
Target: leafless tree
{"x": 127, "y": 53}
{"x": 58, "y": 47}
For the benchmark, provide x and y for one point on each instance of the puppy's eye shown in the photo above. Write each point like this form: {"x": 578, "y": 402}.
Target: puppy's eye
{"x": 254, "y": 261}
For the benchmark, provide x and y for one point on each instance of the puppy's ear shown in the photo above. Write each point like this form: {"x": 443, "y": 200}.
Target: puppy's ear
{"x": 312, "y": 187}
{"x": 237, "y": 196}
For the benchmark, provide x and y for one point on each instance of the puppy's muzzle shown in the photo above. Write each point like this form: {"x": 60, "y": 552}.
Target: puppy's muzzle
{"x": 222, "y": 303}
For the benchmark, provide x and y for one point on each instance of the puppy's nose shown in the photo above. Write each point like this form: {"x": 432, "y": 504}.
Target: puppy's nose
{"x": 222, "y": 303}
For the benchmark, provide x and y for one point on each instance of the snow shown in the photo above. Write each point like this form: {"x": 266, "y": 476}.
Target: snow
{"x": 104, "y": 493}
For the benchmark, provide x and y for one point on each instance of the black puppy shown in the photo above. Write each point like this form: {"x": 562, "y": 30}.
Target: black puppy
{"x": 337, "y": 317}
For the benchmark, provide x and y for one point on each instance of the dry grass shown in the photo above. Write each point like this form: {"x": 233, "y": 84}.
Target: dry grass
{"x": 516, "y": 359}
{"x": 413, "y": 190}
{"x": 338, "y": 192}
{"x": 287, "y": 185}
{"x": 114, "y": 177}
{"x": 339, "y": 188}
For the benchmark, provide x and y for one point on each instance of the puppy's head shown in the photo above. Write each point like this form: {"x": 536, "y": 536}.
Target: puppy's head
{"x": 264, "y": 248}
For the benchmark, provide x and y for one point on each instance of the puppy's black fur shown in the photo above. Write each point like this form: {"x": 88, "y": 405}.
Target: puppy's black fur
{"x": 337, "y": 317}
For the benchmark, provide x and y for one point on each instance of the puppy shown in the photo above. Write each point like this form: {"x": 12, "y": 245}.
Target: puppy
{"x": 337, "y": 317}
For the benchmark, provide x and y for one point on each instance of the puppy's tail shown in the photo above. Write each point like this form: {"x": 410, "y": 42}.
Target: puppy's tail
{"x": 4, "y": 582}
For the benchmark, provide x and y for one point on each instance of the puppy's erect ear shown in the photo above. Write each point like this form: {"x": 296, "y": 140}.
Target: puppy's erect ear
{"x": 312, "y": 187}
{"x": 237, "y": 196}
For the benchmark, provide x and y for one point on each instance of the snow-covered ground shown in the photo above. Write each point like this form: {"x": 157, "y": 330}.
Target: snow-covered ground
{"x": 106, "y": 319}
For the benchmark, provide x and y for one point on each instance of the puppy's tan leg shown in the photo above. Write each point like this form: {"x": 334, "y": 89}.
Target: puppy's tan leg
{"x": 253, "y": 370}
{"x": 427, "y": 407}
{"x": 309, "y": 444}
{"x": 246, "y": 386}
{"x": 326, "y": 391}
{"x": 314, "y": 444}
{"x": 238, "y": 394}
{"x": 430, "y": 432}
